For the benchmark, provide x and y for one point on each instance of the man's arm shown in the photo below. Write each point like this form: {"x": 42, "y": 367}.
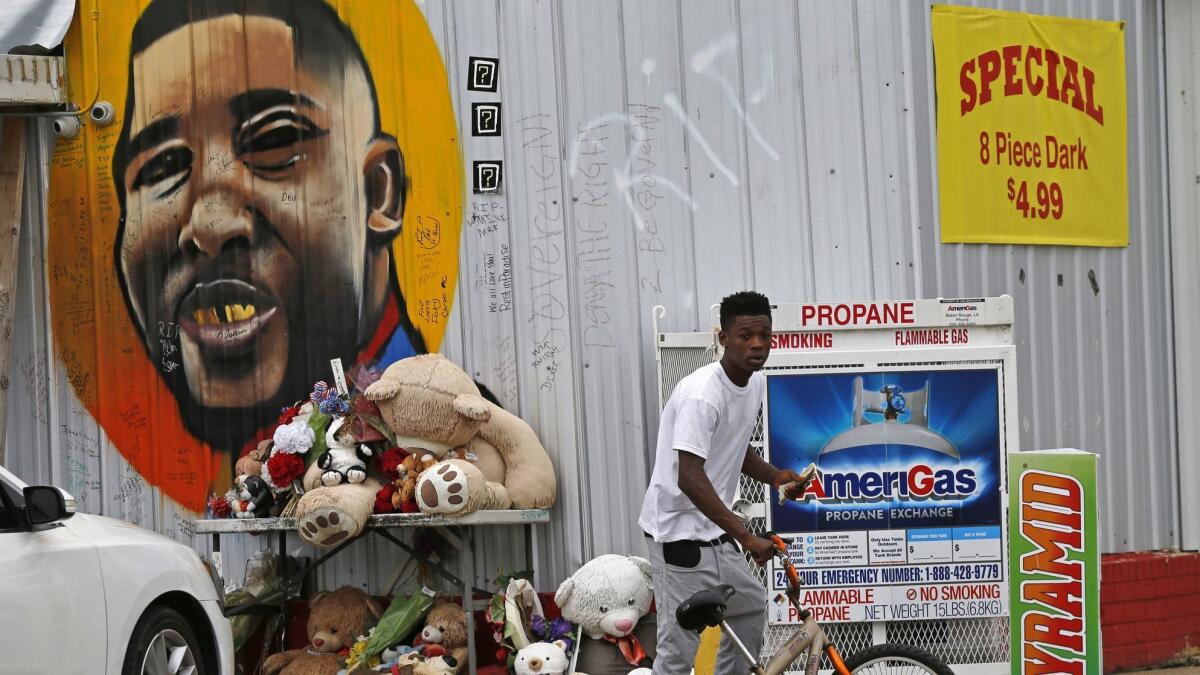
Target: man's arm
{"x": 694, "y": 483}
{"x": 758, "y": 468}
{"x": 764, "y": 472}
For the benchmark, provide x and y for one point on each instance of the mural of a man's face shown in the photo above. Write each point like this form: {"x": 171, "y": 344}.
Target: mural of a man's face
{"x": 260, "y": 201}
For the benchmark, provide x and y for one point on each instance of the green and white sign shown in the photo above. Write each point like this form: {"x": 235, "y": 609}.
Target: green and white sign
{"x": 1054, "y": 563}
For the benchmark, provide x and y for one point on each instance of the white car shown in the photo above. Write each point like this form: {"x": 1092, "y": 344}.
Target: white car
{"x": 87, "y": 594}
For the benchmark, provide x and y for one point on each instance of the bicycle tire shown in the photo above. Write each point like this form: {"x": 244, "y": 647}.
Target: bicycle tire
{"x": 896, "y": 660}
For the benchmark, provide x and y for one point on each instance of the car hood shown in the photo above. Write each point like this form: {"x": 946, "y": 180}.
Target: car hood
{"x": 102, "y": 530}
{"x": 132, "y": 553}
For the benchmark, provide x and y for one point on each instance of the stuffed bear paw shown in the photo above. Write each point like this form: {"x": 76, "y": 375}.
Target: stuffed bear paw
{"x": 326, "y": 526}
{"x": 443, "y": 488}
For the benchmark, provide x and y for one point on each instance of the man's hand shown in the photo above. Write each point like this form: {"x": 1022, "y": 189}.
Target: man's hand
{"x": 760, "y": 549}
{"x": 795, "y": 482}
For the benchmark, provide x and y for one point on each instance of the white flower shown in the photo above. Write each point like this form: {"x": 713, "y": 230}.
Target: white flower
{"x": 295, "y": 437}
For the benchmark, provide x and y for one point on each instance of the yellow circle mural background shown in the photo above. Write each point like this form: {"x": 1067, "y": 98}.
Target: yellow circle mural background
{"x": 98, "y": 345}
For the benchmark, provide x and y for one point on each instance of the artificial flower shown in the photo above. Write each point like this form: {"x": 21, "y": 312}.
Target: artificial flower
{"x": 281, "y": 469}
{"x": 390, "y": 461}
{"x": 383, "y": 499}
{"x": 295, "y": 437}
{"x": 219, "y": 507}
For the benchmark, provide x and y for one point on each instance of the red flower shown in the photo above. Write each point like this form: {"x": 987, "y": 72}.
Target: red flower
{"x": 383, "y": 499}
{"x": 284, "y": 467}
{"x": 390, "y": 460}
{"x": 410, "y": 506}
{"x": 219, "y": 507}
{"x": 289, "y": 414}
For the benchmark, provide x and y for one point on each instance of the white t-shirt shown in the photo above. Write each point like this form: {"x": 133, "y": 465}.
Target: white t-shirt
{"x": 709, "y": 416}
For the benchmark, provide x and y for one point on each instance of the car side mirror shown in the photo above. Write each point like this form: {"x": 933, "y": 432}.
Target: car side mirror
{"x": 45, "y": 505}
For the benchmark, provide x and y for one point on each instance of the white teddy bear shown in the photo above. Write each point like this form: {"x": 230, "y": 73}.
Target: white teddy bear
{"x": 341, "y": 462}
{"x": 608, "y": 598}
{"x": 542, "y": 658}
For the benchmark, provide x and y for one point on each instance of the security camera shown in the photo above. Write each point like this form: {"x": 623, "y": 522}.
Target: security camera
{"x": 66, "y": 127}
{"x": 102, "y": 113}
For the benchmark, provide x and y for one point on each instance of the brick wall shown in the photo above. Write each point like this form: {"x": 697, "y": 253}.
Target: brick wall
{"x": 1149, "y": 608}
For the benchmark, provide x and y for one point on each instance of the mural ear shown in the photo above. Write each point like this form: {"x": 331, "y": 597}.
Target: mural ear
{"x": 386, "y": 185}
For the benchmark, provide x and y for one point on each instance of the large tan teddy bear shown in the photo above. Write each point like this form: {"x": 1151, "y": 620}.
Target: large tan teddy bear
{"x": 431, "y": 404}
{"x": 335, "y": 621}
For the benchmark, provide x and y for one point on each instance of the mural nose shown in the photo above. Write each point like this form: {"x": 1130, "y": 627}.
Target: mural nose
{"x": 214, "y": 222}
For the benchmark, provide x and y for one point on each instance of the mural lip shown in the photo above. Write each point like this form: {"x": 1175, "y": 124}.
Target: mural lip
{"x": 226, "y": 314}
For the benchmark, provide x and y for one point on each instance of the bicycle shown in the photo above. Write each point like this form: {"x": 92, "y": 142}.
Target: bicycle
{"x": 707, "y": 609}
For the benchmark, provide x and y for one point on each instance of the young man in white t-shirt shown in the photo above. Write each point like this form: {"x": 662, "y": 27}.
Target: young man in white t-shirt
{"x": 695, "y": 541}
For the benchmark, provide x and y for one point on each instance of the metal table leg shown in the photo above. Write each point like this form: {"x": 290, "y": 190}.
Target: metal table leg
{"x": 468, "y": 553}
{"x": 216, "y": 555}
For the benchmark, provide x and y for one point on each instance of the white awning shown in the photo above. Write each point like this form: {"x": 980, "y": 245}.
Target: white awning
{"x": 34, "y": 22}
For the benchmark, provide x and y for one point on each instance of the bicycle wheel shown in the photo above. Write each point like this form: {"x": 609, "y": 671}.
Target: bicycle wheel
{"x": 896, "y": 660}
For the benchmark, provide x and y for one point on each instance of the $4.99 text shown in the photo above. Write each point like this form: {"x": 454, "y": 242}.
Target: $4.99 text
{"x": 1048, "y": 199}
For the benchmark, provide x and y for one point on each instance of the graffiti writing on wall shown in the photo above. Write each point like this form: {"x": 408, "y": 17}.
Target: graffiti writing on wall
{"x": 282, "y": 185}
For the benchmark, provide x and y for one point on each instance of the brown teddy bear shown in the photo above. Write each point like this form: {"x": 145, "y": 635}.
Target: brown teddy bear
{"x": 335, "y": 620}
{"x": 251, "y": 463}
{"x": 431, "y": 404}
{"x": 445, "y": 633}
{"x": 406, "y": 481}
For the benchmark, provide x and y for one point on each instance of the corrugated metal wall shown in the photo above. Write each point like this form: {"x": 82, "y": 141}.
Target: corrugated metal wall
{"x": 1183, "y": 118}
{"x": 672, "y": 152}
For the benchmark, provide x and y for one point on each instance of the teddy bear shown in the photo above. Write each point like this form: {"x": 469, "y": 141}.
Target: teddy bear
{"x": 445, "y": 632}
{"x": 400, "y": 493}
{"x": 609, "y": 599}
{"x": 430, "y": 404}
{"x": 342, "y": 462}
{"x": 335, "y": 620}
{"x": 251, "y": 463}
{"x": 433, "y": 407}
{"x": 542, "y": 658}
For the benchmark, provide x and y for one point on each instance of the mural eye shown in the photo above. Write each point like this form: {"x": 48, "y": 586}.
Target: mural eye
{"x": 269, "y": 141}
{"x": 163, "y": 165}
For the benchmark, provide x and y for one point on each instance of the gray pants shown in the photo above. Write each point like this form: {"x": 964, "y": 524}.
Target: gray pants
{"x": 746, "y": 613}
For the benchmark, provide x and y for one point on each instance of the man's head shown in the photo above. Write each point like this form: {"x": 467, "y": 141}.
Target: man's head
{"x": 745, "y": 332}
{"x": 258, "y": 199}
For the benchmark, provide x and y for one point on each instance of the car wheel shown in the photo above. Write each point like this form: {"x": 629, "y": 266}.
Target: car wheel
{"x": 163, "y": 644}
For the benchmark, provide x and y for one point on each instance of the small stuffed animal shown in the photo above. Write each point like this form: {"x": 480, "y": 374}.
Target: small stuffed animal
{"x": 251, "y": 463}
{"x": 406, "y": 482}
{"x": 414, "y": 663}
{"x": 342, "y": 462}
{"x": 609, "y": 599}
{"x": 542, "y": 658}
{"x": 445, "y": 632}
{"x": 335, "y": 620}
{"x": 250, "y": 497}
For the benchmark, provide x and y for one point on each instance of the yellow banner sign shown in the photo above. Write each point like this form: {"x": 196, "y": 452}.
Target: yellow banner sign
{"x": 1030, "y": 128}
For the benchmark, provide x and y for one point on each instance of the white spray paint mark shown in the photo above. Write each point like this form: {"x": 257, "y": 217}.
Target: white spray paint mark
{"x": 702, "y": 63}
{"x": 648, "y": 66}
{"x": 672, "y": 102}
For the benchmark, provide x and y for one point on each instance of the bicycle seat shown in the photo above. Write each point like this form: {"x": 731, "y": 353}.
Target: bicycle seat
{"x": 704, "y": 609}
